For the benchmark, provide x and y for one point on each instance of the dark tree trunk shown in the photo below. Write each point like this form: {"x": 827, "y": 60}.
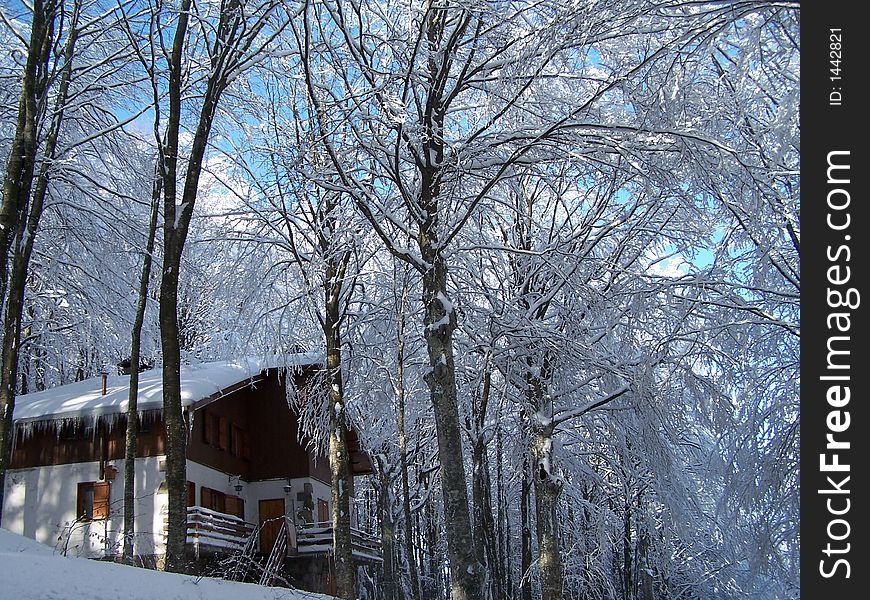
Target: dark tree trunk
{"x": 173, "y": 417}
{"x": 176, "y": 463}
{"x": 481, "y": 485}
{"x": 339, "y": 463}
{"x": 503, "y": 524}
{"x": 20, "y": 169}
{"x": 132, "y": 398}
{"x": 628, "y": 588}
{"x": 526, "y": 531}
{"x": 388, "y": 534}
{"x": 403, "y": 446}
{"x": 177, "y": 217}
{"x": 466, "y": 573}
{"x": 23, "y": 204}
{"x": 547, "y": 491}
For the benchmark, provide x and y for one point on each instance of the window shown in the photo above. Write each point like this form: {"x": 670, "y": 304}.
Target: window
{"x": 213, "y": 500}
{"x": 235, "y": 506}
{"x": 210, "y": 428}
{"x": 223, "y": 433}
{"x": 235, "y": 440}
{"x": 93, "y": 501}
{"x": 240, "y": 445}
{"x": 219, "y": 432}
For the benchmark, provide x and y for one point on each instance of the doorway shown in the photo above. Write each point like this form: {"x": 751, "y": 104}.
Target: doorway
{"x": 271, "y": 520}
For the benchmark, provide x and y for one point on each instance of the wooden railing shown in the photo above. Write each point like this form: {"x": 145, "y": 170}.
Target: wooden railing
{"x": 317, "y": 537}
{"x": 216, "y": 530}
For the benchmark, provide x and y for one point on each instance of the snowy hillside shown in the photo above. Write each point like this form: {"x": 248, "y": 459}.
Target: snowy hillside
{"x": 32, "y": 571}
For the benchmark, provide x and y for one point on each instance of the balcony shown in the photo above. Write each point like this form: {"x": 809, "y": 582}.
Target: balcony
{"x": 315, "y": 538}
{"x": 216, "y": 532}
{"x": 210, "y": 531}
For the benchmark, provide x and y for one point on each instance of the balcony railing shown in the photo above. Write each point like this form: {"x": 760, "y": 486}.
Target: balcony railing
{"x": 314, "y": 538}
{"x": 218, "y": 531}
{"x": 214, "y": 531}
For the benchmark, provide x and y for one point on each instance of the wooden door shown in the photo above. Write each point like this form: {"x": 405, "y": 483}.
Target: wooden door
{"x": 323, "y": 512}
{"x": 271, "y": 514}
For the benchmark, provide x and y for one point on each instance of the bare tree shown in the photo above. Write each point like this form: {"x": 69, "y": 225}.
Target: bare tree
{"x": 25, "y": 188}
{"x": 230, "y": 39}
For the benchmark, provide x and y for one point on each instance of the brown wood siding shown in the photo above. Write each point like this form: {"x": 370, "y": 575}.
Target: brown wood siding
{"x": 253, "y": 434}
{"x": 209, "y": 443}
{"x": 46, "y": 447}
{"x": 274, "y": 447}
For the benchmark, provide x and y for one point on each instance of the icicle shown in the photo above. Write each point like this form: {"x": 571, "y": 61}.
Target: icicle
{"x": 95, "y": 420}
{"x": 191, "y": 414}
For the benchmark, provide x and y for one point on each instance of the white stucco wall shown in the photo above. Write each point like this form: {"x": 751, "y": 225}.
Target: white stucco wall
{"x": 253, "y": 492}
{"x": 40, "y": 503}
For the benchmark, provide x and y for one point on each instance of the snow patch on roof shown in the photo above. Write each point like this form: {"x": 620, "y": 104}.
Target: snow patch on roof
{"x": 84, "y": 398}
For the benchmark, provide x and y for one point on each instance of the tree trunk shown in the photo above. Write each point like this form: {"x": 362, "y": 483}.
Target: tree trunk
{"x": 132, "y": 398}
{"x": 547, "y": 491}
{"x": 345, "y": 570}
{"x": 388, "y": 533}
{"x": 526, "y": 534}
{"x": 481, "y": 486}
{"x": 177, "y": 217}
{"x": 403, "y": 447}
{"x": 176, "y": 460}
{"x": 21, "y": 166}
{"x": 173, "y": 416}
{"x": 503, "y": 526}
{"x": 466, "y": 573}
{"x": 626, "y": 550}
{"x": 23, "y": 212}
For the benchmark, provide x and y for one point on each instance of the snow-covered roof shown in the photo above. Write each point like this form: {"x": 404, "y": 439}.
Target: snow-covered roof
{"x": 84, "y": 398}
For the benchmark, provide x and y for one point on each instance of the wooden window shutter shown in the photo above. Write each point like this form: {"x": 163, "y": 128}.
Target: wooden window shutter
{"x": 101, "y": 500}
{"x": 246, "y": 446}
{"x": 208, "y": 432}
{"x": 205, "y": 497}
{"x": 224, "y": 426}
{"x": 235, "y": 506}
{"x": 80, "y": 500}
{"x": 221, "y": 504}
{"x": 191, "y": 493}
{"x": 235, "y": 440}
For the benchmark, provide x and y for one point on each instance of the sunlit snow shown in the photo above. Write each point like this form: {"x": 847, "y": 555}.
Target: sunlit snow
{"x": 32, "y": 571}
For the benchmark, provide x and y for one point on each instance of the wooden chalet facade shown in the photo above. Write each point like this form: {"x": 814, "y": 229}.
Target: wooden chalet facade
{"x": 255, "y": 491}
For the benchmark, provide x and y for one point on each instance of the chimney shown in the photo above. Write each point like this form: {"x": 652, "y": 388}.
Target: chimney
{"x": 104, "y": 379}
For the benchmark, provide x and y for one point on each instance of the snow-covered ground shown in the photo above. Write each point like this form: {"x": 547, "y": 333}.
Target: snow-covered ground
{"x": 32, "y": 571}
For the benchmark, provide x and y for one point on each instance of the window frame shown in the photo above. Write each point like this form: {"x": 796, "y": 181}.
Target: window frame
{"x": 92, "y": 497}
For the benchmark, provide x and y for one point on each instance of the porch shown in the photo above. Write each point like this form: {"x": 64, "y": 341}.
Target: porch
{"x": 278, "y": 538}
